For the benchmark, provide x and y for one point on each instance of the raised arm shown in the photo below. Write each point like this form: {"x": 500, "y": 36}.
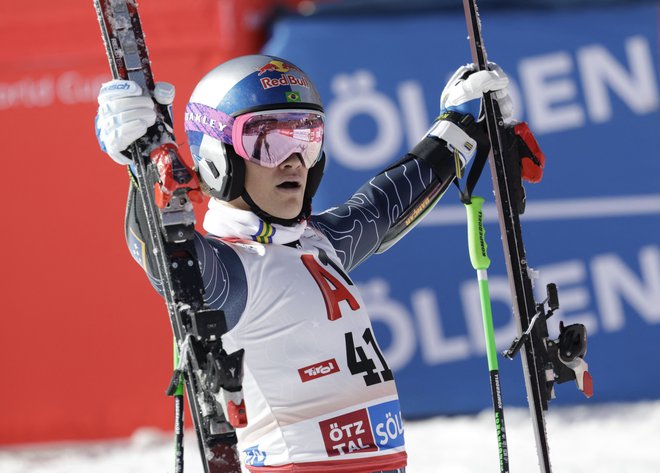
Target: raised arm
{"x": 124, "y": 115}
{"x": 391, "y": 203}
{"x": 394, "y": 201}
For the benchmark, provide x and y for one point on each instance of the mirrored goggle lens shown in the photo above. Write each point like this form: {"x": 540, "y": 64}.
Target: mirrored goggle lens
{"x": 270, "y": 138}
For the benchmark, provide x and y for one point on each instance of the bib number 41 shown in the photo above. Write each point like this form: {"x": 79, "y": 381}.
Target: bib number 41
{"x": 359, "y": 362}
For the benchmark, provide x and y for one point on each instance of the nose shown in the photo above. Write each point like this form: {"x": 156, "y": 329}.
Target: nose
{"x": 294, "y": 161}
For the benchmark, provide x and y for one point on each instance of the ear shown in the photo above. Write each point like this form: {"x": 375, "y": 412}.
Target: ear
{"x": 314, "y": 177}
{"x": 235, "y": 181}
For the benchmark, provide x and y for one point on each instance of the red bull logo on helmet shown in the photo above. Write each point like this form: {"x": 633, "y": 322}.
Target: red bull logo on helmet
{"x": 284, "y": 79}
{"x": 277, "y": 66}
{"x": 285, "y": 76}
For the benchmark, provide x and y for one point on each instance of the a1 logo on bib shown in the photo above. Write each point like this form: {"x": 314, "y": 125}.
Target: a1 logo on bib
{"x": 326, "y": 282}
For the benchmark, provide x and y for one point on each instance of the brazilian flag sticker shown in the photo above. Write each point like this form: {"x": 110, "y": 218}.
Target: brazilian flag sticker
{"x": 292, "y": 96}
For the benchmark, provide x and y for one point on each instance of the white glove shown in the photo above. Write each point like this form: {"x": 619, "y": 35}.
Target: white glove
{"x": 124, "y": 115}
{"x": 465, "y": 89}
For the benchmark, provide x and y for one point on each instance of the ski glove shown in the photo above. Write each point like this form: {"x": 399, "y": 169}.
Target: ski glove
{"x": 465, "y": 89}
{"x": 124, "y": 115}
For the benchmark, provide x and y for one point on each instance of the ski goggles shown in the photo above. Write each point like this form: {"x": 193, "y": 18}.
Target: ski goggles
{"x": 270, "y": 137}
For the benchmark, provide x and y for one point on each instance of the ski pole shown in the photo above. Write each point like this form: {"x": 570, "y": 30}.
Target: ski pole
{"x": 178, "y": 417}
{"x": 481, "y": 262}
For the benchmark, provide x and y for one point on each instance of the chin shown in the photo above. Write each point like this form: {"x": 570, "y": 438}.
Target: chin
{"x": 288, "y": 213}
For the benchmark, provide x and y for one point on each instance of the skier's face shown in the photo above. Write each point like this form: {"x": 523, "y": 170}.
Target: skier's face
{"x": 278, "y": 191}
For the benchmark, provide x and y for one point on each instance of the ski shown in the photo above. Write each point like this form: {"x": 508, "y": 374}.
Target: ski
{"x": 167, "y": 187}
{"x": 545, "y": 361}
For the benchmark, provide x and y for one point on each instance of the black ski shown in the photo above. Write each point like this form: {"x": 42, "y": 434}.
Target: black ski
{"x": 545, "y": 361}
{"x": 166, "y": 186}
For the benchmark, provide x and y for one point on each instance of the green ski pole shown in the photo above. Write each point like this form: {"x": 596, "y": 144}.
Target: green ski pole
{"x": 481, "y": 262}
{"x": 178, "y": 416}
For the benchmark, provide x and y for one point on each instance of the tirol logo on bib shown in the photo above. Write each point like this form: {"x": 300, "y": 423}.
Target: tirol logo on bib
{"x": 318, "y": 370}
{"x": 378, "y": 427}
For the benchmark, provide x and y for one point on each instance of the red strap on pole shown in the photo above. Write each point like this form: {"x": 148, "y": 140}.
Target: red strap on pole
{"x": 532, "y": 159}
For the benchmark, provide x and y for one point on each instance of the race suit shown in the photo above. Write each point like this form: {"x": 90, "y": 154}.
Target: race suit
{"x": 318, "y": 391}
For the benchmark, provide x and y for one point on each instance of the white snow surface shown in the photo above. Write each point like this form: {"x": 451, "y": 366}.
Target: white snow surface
{"x": 599, "y": 438}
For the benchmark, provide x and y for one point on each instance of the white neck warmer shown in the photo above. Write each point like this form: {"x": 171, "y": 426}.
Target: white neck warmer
{"x": 224, "y": 221}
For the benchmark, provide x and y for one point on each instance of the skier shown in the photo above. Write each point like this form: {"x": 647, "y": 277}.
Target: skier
{"x": 318, "y": 392}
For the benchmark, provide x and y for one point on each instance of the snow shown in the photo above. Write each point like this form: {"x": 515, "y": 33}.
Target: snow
{"x": 602, "y": 438}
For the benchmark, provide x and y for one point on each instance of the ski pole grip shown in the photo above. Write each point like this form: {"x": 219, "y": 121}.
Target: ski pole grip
{"x": 176, "y": 383}
{"x": 477, "y": 234}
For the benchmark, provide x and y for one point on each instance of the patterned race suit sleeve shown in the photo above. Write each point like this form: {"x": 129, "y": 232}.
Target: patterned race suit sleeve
{"x": 358, "y": 228}
{"x": 223, "y": 274}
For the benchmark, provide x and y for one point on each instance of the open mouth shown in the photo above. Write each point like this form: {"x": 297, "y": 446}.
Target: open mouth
{"x": 289, "y": 185}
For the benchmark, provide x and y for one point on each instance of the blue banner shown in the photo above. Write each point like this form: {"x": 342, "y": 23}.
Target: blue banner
{"x": 586, "y": 81}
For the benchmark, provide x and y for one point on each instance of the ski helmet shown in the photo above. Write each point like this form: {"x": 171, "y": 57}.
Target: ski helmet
{"x": 239, "y": 86}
